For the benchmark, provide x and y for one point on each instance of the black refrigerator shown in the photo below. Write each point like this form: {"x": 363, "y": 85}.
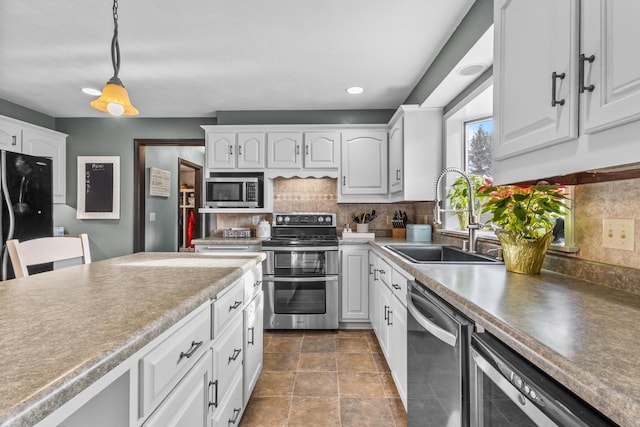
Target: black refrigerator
{"x": 27, "y": 203}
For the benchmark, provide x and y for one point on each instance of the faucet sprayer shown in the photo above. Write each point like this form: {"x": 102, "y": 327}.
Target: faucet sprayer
{"x": 473, "y": 225}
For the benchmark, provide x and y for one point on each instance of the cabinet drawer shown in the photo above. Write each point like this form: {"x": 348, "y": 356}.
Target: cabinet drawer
{"x": 187, "y": 405}
{"x": 162, "y": 367}
{"x": 230, "y": 411}
{"x": 399, "y": 285}
{"x": 384, "y": 271}
{"x": 227, "y": 305}
{"x": 252, "y": 283}
{"x": 227, "y": 360}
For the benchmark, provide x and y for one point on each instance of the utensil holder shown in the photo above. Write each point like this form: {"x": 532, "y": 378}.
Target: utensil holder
{"x": 362, "y": 228}
{"x": 399, "y": 233}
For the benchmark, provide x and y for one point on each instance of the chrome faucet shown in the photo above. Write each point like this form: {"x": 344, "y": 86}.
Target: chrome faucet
{"x": 474, "y": 225}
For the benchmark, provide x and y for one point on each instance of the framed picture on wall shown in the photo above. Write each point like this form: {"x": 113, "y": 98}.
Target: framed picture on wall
{"x": 98, "y": 187}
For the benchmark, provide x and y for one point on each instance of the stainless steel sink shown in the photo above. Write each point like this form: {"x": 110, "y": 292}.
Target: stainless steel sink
{"x": 440, "y": 254}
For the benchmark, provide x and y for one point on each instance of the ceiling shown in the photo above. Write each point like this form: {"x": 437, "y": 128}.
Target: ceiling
{"x": 195, "y": 57}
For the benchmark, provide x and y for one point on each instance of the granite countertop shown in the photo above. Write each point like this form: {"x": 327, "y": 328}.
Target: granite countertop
{"x": 582, "y": 334}
{"x": 62, "y": 330}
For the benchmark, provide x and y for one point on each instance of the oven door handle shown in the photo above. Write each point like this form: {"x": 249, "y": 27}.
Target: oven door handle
{"x": 435, "y": 330}
{"x": 300, "y": 279}
{"x": 299, "y": 248}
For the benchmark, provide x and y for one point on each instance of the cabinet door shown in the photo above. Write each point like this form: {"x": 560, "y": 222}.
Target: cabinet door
{"x": 384, "y": 308}
{"x": 250, "y": 150}
{"x": 253, "y": 342}
{"x": 395, "y": 157}
{"x": 364, "y": 162}
{"x": 53, "y": 145}
{"x": 609, "y": 32}
{"x": 533, "y": 41}
{"x": 220, "y": 150}
{"x": 187, "y": 405}
{"x": 321, "y": 149}
{"x": 355, "y": 284}
{"x": 10, "y": 136}
{"x": 398, "y": 347}
{"x": 283, "y": 150}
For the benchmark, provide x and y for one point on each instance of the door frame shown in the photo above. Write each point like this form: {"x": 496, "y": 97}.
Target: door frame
{"x": 139, "y": 181}
{"x": 199, "y": 171}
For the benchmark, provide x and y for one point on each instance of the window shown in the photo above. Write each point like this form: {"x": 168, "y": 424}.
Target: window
{"x": 478, "y": 138}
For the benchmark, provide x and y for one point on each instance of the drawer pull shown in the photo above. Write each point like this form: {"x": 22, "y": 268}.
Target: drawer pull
{"x": 215, "y": 394}
{"x": 253, "y": 335}
{"x": 194, "y": 347}
{"x": 235, "y": 305}
{"x": 386, "y": 313}
{"x": 236, "y": 414}
{"x": 236, "y": 353}
{"x": 396, "y": 286}
{"x": 554, "y": 78}
{"x": 257, "y": 283}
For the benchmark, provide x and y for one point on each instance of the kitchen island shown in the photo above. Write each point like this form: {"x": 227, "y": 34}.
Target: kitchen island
{"x": 580, "y": 333}
{"x": 62, "y": 331}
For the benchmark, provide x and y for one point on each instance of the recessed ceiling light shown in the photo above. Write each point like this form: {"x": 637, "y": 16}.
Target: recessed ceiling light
{"x": 91, "y": 91}
{"x": 471, "y": 69}
{"x": 355, "y": 90}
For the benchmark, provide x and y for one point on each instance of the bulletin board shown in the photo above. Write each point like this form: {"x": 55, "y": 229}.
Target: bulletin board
{"x": 98, "y": 187}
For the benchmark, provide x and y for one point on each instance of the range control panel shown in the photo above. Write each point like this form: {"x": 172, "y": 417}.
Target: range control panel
{"x": 297, "y": 219}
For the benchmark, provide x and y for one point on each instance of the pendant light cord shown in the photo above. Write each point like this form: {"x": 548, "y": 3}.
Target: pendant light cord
{"x": 115, "y": 46}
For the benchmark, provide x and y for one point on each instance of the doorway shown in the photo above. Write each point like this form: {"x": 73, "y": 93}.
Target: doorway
{"x": 140, "y": 183}
{"x": 189, "y": 195}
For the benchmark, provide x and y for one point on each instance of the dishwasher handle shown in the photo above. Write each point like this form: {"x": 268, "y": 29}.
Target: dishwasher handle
{"x": 443, "y": 335}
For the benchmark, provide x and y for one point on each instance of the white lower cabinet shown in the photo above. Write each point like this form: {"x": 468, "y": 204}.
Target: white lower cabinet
{"x": 188, "y": 404}
{"x": 253, "y": 343}
{"x": 227, "y": 361}
{"x": 388, "y": 313}
{"x": 229, "y": 412}
{"x": 354, "y": 267}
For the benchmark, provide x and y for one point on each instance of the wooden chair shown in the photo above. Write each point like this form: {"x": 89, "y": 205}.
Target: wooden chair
{"x": 47, "y": 249}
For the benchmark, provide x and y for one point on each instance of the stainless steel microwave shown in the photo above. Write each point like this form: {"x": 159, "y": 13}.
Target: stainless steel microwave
{"x": 234, "y": 192}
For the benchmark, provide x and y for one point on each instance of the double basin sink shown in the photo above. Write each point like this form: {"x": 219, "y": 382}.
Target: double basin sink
{"x": 429, "y": 254}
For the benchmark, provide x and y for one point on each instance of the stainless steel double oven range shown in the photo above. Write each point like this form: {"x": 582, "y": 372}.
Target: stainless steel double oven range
{"x": 300, "y": 274}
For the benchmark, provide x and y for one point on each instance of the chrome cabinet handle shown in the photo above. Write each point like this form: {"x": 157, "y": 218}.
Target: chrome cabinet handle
{"x": 386, "y": 313}
{"x": 257, "y": 283}
{"x": 396, "y": 286}
{"x": 397, "y": 174}
{"x": 253, "y": 336}
{"x": 297, "y": 150}
{"x": 389, "y": 322}
{"x": 236, "y": 353}
{"x": 370, "y": 269}
{"x": 14, "y": 140}
{"x": 215, "y": 401}
{"x": 344, "y": 180}
{"x": 554, "y": 78}
{"x": 239, "y": 150}
{"x": 235, "y": 305}
{"x": 194, "y": 347}
{"x": 231, "y": 150}
{"x": 375, "y": 276}
{"x": 582, "y": 86}
{"x": 306, "y": 149}
{"x": 236, "y": 414}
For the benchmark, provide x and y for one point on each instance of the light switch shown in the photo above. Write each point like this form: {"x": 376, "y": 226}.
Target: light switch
{"x": 618, "y": 233}
{"x": 152, "y": 216}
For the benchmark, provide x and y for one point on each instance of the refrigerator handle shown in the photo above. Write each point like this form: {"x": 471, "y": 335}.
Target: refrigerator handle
{"x": 12, "y": 219}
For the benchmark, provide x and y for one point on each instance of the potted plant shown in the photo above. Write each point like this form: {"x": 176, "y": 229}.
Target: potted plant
{"x": 524, "y": 217}
{"x": 458, "y": 197}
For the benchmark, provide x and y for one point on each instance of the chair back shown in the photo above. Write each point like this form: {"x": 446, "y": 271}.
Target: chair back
{"x": 47, "y": 249}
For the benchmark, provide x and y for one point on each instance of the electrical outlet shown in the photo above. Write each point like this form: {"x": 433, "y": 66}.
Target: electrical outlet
{"x": 388, "y": 219}
{"x": 618, "y": 233}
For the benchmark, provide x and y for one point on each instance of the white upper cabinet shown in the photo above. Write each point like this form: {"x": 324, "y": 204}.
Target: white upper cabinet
{"x": 22, "y": 137}
{"x": 535, "y": 74}
{"x": 610, "y": 33}
{"x": 220, "y": 150}
{"x": 250, "y": 149}
{"x": 321, "y": 149}
{"x": 284, "y": 150}
{"x": 363, "y": 162}
{"x": 395, "y": 156}
{"x": 584, "y": 117}
{"x": 10, "y": 136}
{"x": 230, "y": 150}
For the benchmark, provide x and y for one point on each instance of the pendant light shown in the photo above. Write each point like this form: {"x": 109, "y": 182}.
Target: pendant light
{"x": 115, "y": 99}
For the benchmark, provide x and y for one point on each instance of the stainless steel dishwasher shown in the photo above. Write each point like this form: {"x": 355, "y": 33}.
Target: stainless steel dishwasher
{"x": 507, "y": 390}
{"x": 438, "y": 339}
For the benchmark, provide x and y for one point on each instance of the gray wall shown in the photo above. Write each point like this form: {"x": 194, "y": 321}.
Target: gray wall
{"x": 113, "y": 137}
{"x": 473, "y": 26}
{"x": 161, "y": 235}
{"x": 304, "y": 117}
{"x": 18, "y": 112}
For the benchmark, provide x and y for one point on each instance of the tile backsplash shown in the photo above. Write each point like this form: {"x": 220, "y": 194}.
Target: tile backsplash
{"x": 320, "y": 195}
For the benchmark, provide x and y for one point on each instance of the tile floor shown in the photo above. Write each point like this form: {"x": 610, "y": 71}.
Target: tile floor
{"x": 324, "y": 378}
